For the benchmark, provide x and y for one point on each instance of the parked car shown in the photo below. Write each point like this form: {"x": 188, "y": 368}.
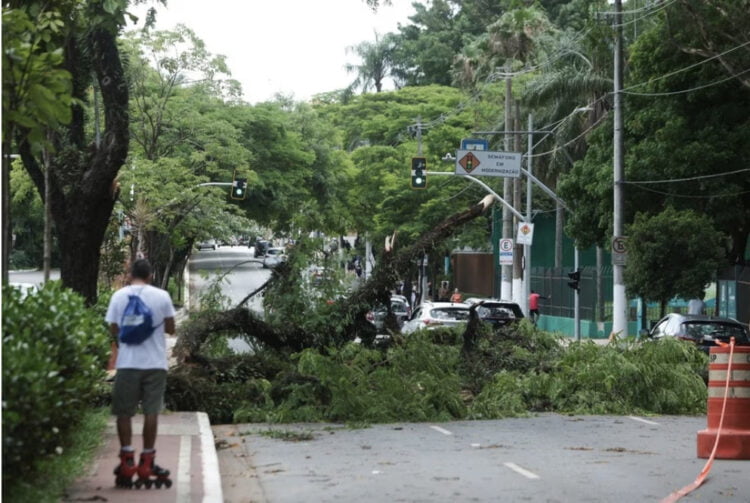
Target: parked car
{"x": 437, "y": 314}
{"x": 699, "y": 329}
{"x": 209, "y": 244}
{"x": 497, "y": 312}
{"x": 273, "y": 257}
{"x": 399, "y": 307}
{"x": 26, "y": 289}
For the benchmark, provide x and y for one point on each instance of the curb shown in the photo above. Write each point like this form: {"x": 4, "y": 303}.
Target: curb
{"x": 212, "y": 492}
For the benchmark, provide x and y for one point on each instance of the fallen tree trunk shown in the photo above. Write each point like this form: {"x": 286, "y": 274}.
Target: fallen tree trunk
{"x": 348, "y": 316}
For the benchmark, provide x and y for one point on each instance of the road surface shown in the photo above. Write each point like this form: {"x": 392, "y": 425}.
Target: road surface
{"x": 550, "y": 458}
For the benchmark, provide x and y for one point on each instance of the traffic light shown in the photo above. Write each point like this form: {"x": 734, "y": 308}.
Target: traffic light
{"x": 239, "y": 187}
{"x": 575, "y": 278}
{"x": 418, "y": 173}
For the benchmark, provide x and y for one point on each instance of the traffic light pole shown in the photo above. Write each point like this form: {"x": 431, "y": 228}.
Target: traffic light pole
{"x": 485, "y": 187}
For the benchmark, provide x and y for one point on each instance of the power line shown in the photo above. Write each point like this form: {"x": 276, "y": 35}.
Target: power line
{"x": 697, "y": 88}
{"x": 652, "y": 11}
{"x": 686, "y": 68}
{"x": 687, "y": 196}
{"x": 690, "y": 179}
{"x": 558, "y": 147}
{"x": 641, "y": 9}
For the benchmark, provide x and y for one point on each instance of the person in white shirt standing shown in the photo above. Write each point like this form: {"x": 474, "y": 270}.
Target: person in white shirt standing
{"x": 697, "y": 306}
{"x": 141, "y": 377}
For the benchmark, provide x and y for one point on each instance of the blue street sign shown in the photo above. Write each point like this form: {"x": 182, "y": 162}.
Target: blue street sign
{"x": 474, "y": 144}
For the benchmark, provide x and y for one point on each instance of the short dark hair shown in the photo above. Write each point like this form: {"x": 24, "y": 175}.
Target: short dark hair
{"x": 141, "y": 269}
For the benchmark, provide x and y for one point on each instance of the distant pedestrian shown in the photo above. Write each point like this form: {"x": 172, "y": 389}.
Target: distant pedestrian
{"x": 443, "y": 292}
{"x": 141, "y": 375}
{"x": 456, "y": 297}
{"x": 534, "y": 305}
{"x": 696, "y": 305}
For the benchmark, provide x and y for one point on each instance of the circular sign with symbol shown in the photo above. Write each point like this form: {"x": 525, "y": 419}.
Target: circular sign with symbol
{"x": 506, "y": 245}
{"x": 619, "y": 244}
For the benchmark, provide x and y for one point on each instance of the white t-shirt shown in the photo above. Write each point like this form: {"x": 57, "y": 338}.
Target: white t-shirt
{"x": 696, "y": 306}
{"x": 151, "y": 353}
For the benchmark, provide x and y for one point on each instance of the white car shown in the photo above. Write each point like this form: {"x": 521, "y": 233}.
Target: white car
{"x": 208, "y": 245}
{"x": 273, "y": 257}
{"x": 437, "y": 314}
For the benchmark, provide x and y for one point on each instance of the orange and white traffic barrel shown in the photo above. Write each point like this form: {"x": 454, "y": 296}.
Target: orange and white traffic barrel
{"x": 728, "y": 381}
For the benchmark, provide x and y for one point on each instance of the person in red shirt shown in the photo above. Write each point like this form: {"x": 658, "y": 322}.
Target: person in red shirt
{"x": 456, "y": 297}
{"x": 534, "y": 305}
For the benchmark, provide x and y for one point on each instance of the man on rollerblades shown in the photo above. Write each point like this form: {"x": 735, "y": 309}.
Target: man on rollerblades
{"x": 141, "y": 374}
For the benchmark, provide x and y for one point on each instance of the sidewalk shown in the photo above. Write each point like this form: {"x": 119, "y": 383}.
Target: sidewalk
{"x": 185, "y": 446}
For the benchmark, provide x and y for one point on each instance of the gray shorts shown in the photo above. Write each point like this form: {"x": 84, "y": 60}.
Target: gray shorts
{"x": 138, "y": 385}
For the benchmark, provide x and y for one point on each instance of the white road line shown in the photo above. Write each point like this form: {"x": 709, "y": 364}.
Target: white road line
{"x": 635, "y": 418}
{"x": 183, "y": 469}
{"x": 441, "y": 430}
{"x": 212, "y": 492}
{"x": 526, "y": 473}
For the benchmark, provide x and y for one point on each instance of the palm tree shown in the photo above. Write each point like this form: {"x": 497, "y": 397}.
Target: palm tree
{"x": 375, "y": 63}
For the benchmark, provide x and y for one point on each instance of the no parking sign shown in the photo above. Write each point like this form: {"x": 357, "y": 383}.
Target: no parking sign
{"x": 506, "y": 251}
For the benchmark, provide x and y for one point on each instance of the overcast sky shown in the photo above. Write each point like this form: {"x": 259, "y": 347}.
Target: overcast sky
{"x": 295, "y": 47}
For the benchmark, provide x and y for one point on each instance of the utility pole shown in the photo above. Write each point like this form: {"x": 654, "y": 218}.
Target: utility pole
{"x": 518, "y": 250}
{"x": 506, "y": 271}
{"x": 47, "y": 250}
{"x": 619, "y": 299}
{"x": 422, "y": 278}
{"x": 527, "y": 248}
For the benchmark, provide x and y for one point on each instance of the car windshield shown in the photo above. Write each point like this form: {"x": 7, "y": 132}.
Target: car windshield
{"x": 497, "y": 312}
{"x": 697, "y": 330}
{"x": 275, "y": 251}
{"x": 398, "y": 306}
{"x": 450, "y": 313}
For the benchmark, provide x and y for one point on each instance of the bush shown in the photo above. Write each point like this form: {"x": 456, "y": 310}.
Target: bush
{"x": 54, "y": 355}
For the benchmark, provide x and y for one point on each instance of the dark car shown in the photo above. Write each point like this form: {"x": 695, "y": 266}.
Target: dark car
{"x": 261, "y": 247}
{"x": 497, "y": 312}
{"x": 701, "y": 330}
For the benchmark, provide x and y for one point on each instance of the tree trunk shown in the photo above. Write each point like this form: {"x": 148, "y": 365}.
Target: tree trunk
{"x": 82, "y": 187}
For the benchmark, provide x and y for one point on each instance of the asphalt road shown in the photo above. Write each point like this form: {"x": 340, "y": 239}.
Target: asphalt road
{"x": 241, "y": 271}
{"x": 549, "y": 458}
{"x": 238, "y": 270}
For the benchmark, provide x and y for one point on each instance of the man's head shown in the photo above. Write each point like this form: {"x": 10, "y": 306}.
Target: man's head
{"x": 141, "y": 269}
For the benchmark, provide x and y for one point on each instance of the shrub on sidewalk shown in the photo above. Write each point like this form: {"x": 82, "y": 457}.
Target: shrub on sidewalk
{"x": 54, "y": 355}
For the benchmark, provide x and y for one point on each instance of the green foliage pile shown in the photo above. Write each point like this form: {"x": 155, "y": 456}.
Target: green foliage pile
{"x": 657, "y": 377}
{"x": 427, "y": 376}
{"x": 54, "y": 355}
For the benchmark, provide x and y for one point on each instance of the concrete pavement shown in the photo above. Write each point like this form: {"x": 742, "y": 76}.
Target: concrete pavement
{"x": 185, "y": 446}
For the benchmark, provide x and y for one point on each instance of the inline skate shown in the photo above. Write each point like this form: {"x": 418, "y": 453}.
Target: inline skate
{"x": 149, "y": 473}
{"x": 125, "y": 470}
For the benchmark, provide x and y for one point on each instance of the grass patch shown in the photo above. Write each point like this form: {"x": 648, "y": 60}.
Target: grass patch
{"x": 60, "y": 471}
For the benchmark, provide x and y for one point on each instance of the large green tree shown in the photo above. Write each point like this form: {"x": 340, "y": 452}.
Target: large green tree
{"x": 686, "y": 138}
{"x": 672, "y": 253}
{"x": 80, "y": 171}
{"x": 36, "y": 89}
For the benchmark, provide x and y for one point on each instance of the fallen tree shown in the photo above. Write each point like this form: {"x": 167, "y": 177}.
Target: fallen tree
{"x": 345, "y": 319}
